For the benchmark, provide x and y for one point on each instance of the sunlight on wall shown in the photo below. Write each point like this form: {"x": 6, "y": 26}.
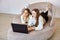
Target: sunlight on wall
{"x": 16, "y": 6}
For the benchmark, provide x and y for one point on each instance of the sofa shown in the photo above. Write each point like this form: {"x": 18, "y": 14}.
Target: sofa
{"x": 43, "y": 34}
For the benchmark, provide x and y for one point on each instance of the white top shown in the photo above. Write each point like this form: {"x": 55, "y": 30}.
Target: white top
{"x": 32, "y": 22}
{"x": 23, "y": 21}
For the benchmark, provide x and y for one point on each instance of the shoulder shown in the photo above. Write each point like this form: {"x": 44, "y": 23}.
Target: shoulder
{"x": 21, "y": 17}
{"x": 40, "y": 17}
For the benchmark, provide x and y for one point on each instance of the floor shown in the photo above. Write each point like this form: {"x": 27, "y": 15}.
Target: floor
{"x": 6, "y": 19}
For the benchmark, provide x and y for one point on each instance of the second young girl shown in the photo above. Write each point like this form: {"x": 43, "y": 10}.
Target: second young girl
{"x": 36, "y": 21}
{"x": 25, "y": 16}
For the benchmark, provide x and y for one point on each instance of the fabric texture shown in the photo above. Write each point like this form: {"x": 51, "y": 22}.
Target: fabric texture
{"x": 43, "y": 34}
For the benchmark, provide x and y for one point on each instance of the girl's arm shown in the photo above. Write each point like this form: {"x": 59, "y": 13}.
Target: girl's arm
{"x": 22, "y": 21}
{"x": 31, "y": 28}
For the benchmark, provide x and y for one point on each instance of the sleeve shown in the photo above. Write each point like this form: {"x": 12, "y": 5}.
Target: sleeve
{"x": 40, "y": 24}
{"x": 22, "y": 21}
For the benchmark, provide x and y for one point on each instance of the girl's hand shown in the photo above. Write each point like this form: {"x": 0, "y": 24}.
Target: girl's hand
{"x": 30, "y": 28}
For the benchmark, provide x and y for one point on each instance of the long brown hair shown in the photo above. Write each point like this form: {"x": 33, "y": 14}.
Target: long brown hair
{"x": 27, "y": 10}
{"x": 37, "y": 16}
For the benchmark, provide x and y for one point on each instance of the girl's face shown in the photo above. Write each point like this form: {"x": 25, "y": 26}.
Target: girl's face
{"x": 25, "y": 13}
{"x": 34, "y": 14}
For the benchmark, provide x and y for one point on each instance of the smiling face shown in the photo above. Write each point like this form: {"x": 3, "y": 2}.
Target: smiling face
{"x": 34, "y": 14}
{"x": 25, "y": 13}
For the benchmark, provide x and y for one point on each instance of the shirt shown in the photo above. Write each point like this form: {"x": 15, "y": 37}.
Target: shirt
{"x": 32, "y": 21}
{"x": 24, "y": 21}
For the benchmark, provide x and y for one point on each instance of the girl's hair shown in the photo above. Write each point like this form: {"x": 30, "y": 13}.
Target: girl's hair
{"x": 27, "y": 10}
{"x": 37, "y": 16}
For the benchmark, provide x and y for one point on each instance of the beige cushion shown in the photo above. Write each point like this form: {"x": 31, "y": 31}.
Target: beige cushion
{"x": 43, "y": 34}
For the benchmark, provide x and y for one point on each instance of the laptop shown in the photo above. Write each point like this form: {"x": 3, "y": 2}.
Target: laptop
{"x": 19, "y": 28}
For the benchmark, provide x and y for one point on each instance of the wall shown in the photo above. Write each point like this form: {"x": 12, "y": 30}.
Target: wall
{"x": 15, "y": 6}
{"x": 57, "y": 4}
{"x": 11, "y": 6}
{"x": 57, "y": 14}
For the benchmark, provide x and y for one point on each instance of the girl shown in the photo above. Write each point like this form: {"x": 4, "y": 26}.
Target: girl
{"x": 36, "y": 21}
{"x": 25, "y": 16}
